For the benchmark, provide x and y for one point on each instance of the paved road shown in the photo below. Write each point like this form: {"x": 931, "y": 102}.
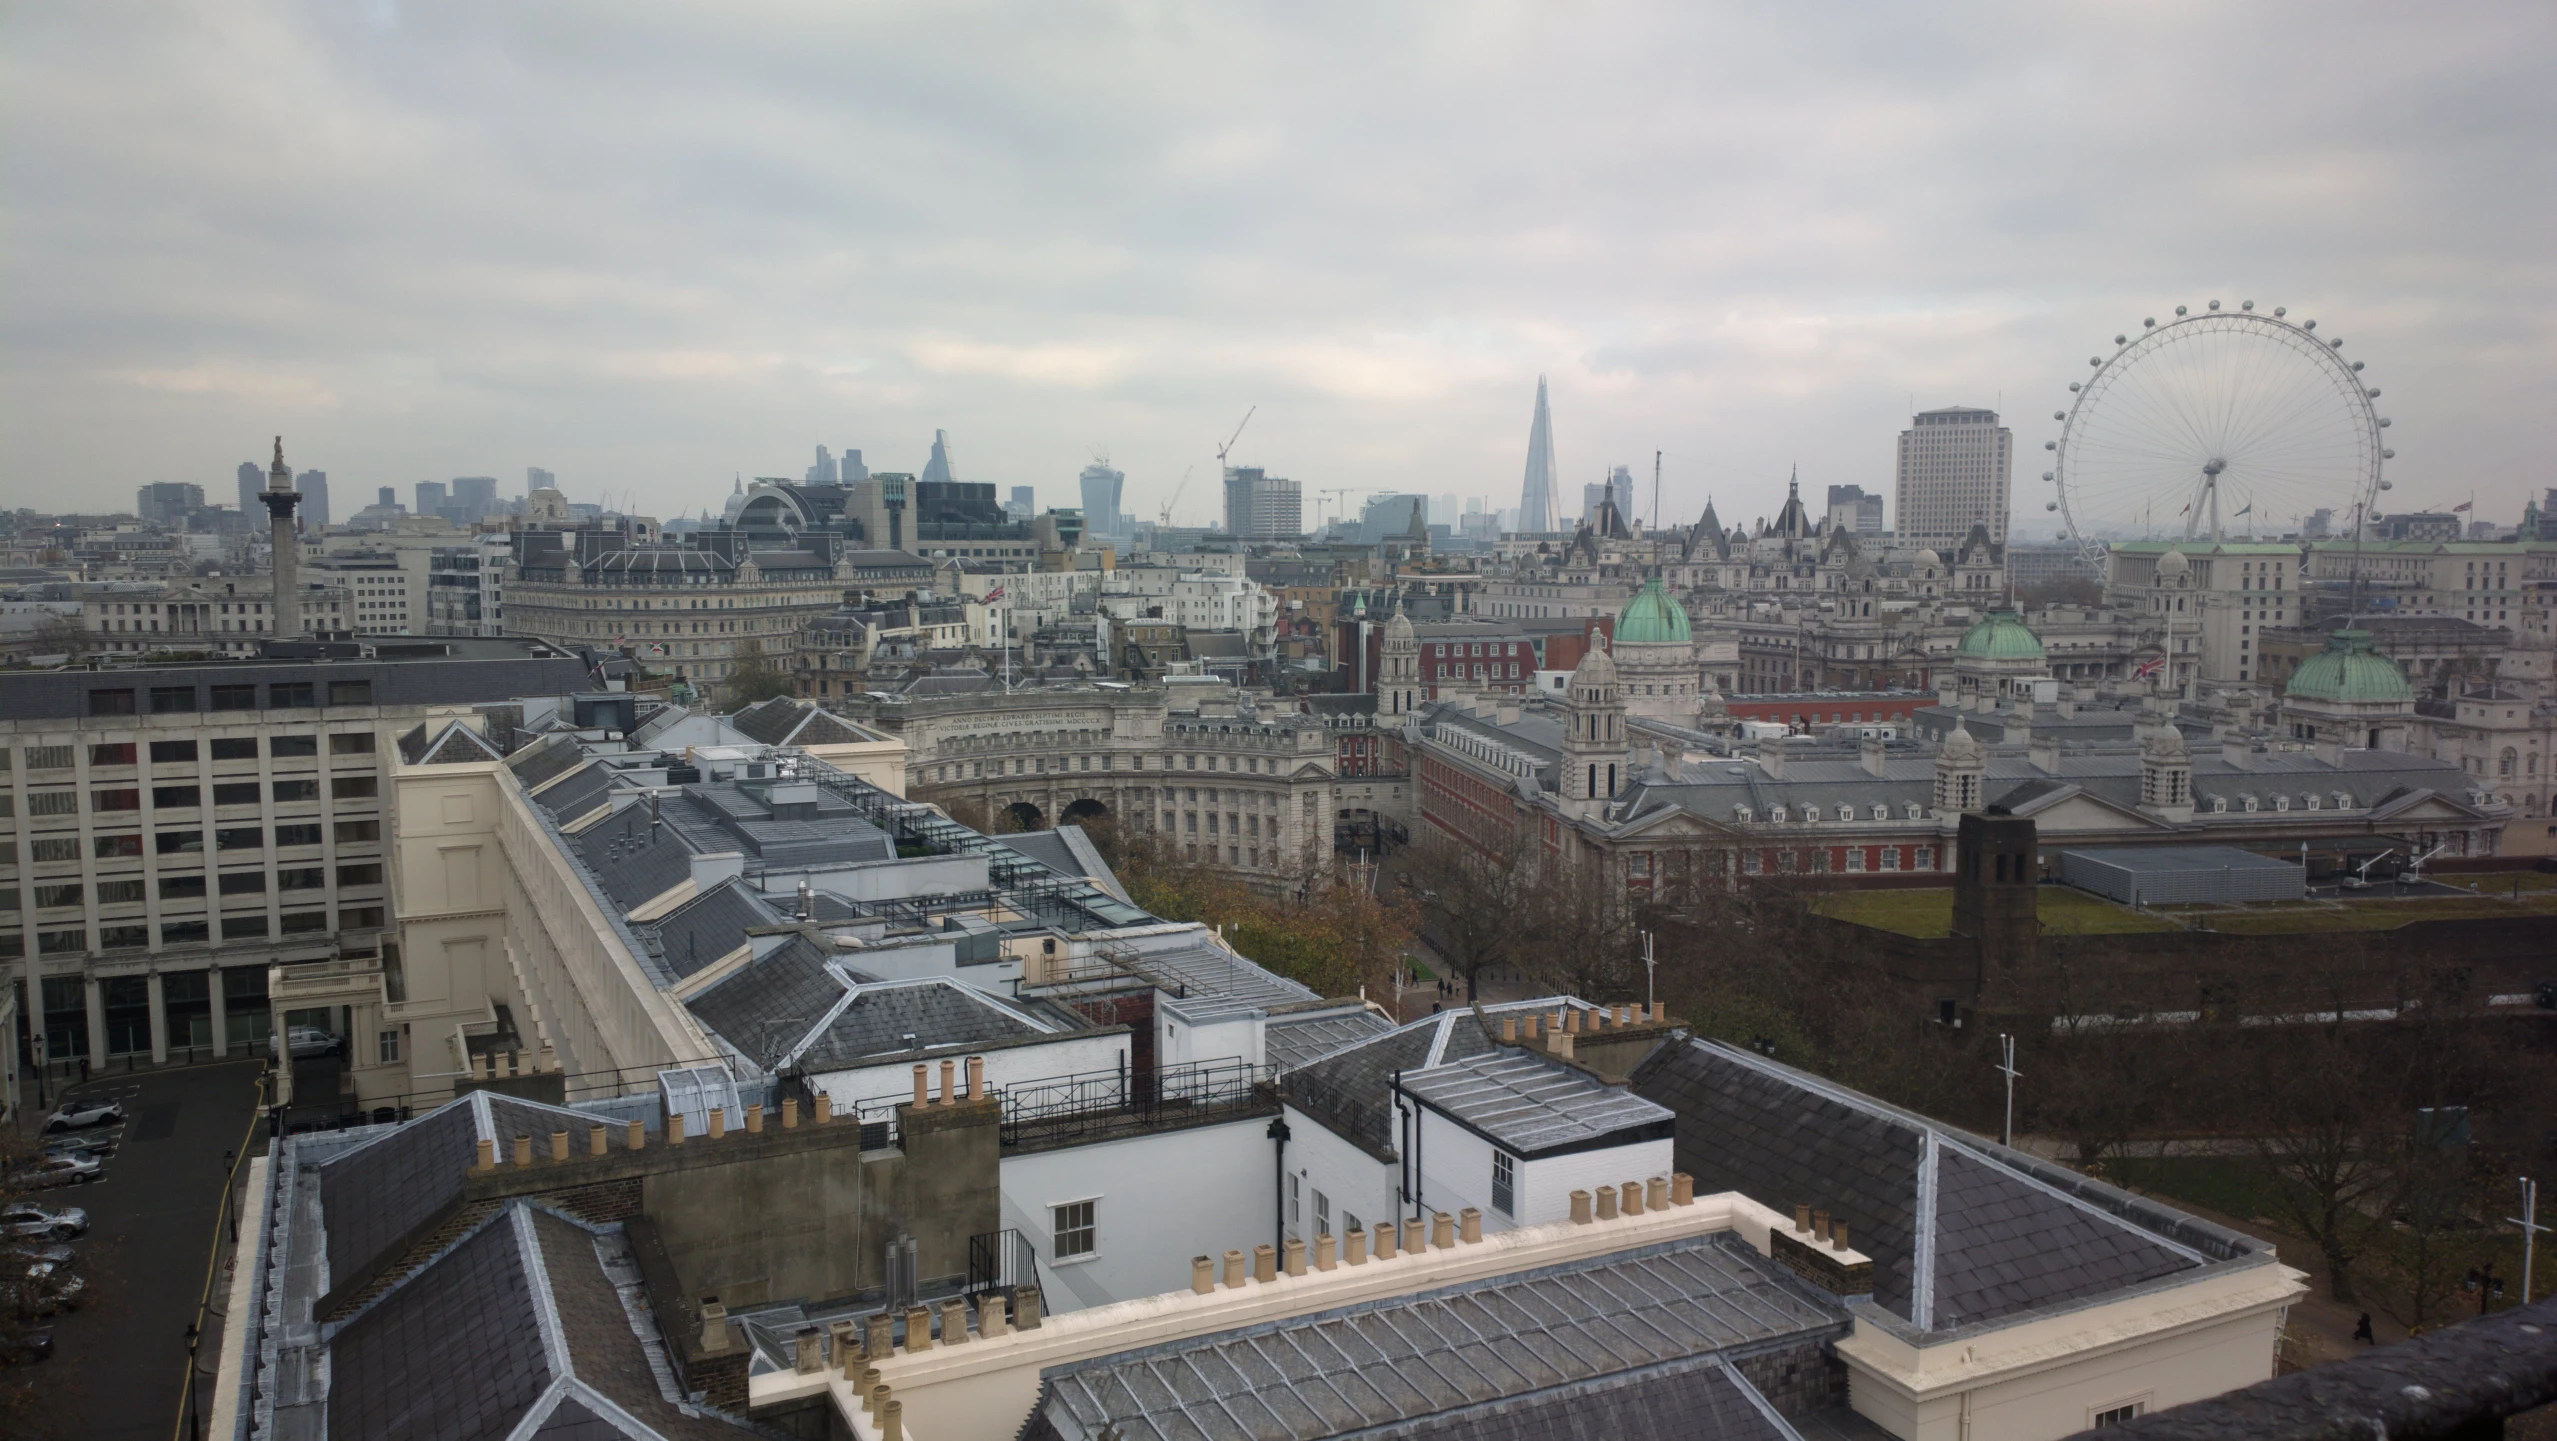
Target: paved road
{"x": 120, "y": 1361}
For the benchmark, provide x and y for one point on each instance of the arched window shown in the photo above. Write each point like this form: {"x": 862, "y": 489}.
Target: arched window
{"x": 2504, "y": 765}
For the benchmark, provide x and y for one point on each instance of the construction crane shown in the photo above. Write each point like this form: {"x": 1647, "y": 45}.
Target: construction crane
{"x": 1338, "y": 494}
{"x": 1237, "y": 435}
{"x": 1176, "y": 491}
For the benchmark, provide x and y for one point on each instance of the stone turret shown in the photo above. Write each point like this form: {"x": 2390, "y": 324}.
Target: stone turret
{"x": 1594, "y": 758}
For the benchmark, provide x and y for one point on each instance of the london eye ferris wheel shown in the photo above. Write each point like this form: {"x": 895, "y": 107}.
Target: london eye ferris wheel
{"x": 2210, "y": 420}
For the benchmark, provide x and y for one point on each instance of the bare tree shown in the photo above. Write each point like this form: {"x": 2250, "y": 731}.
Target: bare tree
{"x": 1471, "y": 900}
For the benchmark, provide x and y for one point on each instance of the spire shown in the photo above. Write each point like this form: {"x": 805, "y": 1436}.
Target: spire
{"x": 1536, "y": 499}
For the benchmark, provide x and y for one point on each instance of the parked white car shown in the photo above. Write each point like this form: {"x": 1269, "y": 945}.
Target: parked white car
{"x": 307, "y": 1041}
{"x": 74, "y": 1114}
{"x": 62, "y": 1171}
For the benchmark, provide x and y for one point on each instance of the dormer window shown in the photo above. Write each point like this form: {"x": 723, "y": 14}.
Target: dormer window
{"x": 1881, "y": 812}
{"x": 2249, "y": 802}
{"x": 2314, "y": 802}
{"x": 2219, "y": 805}
{"x": 2282, "y": 803}
{"x": 1776, "y": 816}
{"x": 1742, "y": 813}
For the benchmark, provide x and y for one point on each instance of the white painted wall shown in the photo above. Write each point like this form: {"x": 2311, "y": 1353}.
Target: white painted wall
{"x": 1159, "y": 1200}
{"x": 1457, "y": 1171}
{"x": 1005, "y": 1066}
{"x": 1357, "y": 1183}
{"x": 1177, "y": 1041}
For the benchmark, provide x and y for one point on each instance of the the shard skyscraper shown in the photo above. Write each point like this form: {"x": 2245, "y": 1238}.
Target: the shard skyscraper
{"x": 1536, "y": 502}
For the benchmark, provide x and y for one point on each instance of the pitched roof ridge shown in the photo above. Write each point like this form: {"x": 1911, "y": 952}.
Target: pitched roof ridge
{"x": 2079, "y": 1202}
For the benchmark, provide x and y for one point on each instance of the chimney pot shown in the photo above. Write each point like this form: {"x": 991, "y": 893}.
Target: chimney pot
{"x": 1509, "y": 1028}
{"x": 718, "y": 1123}
{"x": 714, "y": 1324}
{"x": 1802, "y": 1219}
{"x": 1233, "y": 1270}
{"x": 1571, "y": 1020}
{"x": 594, "y": 1140}
{"x": 918, "y": 1330}
{"x": 1606, "y": 1203}
{"x": 954, "y": 1321}
{"x": 559, "y": 1145}
{"x": 825, "y": 1108}
{"x": 1327, "y": 1252}
{"x": 877, "y": 1399}
{"x": 1264, "y": 1262}
{"x": 1559, "y": 1043}
{"x": 523, "y": 1150}
{"x": 1202, "y": 1275}
{"x": 1295, "y": 1262}
{"x": 892, "y": 1421}
{"x": 754, "y": 1118}
{"x": 863, "y": 1376}
{"x": 1656, "y": 1194}
{"x": 976, "y": 1078}
{"x": 1659, "y": 1011}
{"x": 1442, "y": 1231}
{"x": 1580, "y": 1212}
{"x": 1025, "y": 1308}
{"x": 804, "y": 1356}
{"x": 949, "y": 1082}
{"x": 1469, "y": 1225}
{"x": 1533, "y": 1020}
{"x": 638, "y": 1135}
{"x": 1820, "y": 1227}
{"x": 790, "y": 1113}
{"x": 488, "y": 1155}
{"x": 1682, "y": 1189}
{"x": 881, "y": 1339}
{"x": 922, "y": 1087}
{"x": 674, "y": 1128}
{"x": 992, "y": 1319}
{"x": 845, "y": 1336}
{"x": 1385, "y": 1240}
{"x": 1354, "y": 1246}
{"x": 1838, "y": 1235}
{"x": 1633, "y": 1194}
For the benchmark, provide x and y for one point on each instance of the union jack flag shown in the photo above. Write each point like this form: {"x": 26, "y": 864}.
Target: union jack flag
{"x": 2148, "y": 669}
{"x": 994, "y": 595}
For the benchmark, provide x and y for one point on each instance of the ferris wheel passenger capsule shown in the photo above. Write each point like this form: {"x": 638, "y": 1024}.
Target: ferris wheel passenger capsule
{"x": 2308, "y": 325}
{"x": 2121, "y": 340}
{"x": 2387, "y": 484}
{"x": 2246, "y": 305}
{"x": 2357, "y": 365}
{"x": 2280, "y": 310}
{"x": 2050, "y": 445}
{"x": 2215, "y": 305}
{"x": 2386, "y": 455}
{"x": 2096, "y": 360}
{"x": 2050, "y": 505}
{"x": 2059, "y": 415}
{"x": 2149, "y": 324}
{"x": 2050, "y": 475}
{"x": 2179, "y": 310}
{"x": 2073, "y": 386}
{"x": 2385, "y": 422}
{"x": 2373, "y": 392}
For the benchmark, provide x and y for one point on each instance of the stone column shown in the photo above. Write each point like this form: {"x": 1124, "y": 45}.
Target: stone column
{"x": 159, "y": 1021}
{"x": 221, "y": 1011}
{"x": 97, "y": 1022}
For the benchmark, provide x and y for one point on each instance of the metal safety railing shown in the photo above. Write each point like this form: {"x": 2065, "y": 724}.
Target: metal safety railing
{"x": 1099, "y": 1103}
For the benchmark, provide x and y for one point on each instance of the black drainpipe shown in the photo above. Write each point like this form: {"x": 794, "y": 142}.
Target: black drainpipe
{"x": 1279, "y": 1133}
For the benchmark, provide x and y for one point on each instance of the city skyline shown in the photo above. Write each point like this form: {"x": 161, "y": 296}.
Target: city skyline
{"x": 628, "y": 301}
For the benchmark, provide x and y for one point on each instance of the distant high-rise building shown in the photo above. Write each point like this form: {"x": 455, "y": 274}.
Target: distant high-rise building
{"x": 1851, "y": 510}
{"x": 252, "y": 480}
{"x": 1536, "y": 501}
{"x": 936, "y": 471}
{"x": 1955, "y": 465}
{"x": 850, "y": 470}
{"x": 1023, "y": 504}
{"x": 1101, "y": 490}
{"x": 387, "y": 498}
{"x": 536, "y": 478}
{"x": 432, "y": 497}
{"x": 168, "y": 503}
{"x": 2318, "y": 525}
{"x": 314, "y": 485}
{"x": 474, "y": 497}
{"x": 1390, "y": 514}
{"x": 1260, "y": 506}
{"x": 823, "y": 472}
{"x": 1618, "y": 487}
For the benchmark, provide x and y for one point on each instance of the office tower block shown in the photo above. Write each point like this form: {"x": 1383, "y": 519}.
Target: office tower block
{"x": 1023, "y": 504}
{"x": 850, "y": 470}
{"x": 823, "y": 472}
{"x": 386, "y": 497}
{"x": 432, "y": 496}
{"x": 1851, "y": 510}
{"x": 1954, "y": 473}
{"x": 252, "y": 480}
{"x": 936, "y": 471}
{"x": 1260, "y": 506}
{"x": 1101, "y": 490}
{"x": 314, "y": 485}
{"x": 168, "y": 503}
{"x": 474, "y": 496}
{"x": 536, "y": 478}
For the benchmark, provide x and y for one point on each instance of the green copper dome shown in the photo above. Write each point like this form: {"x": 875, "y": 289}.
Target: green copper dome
{"x": 1653, "y": 617}
{"x": 2348, "y": 671}
{"x": 2000, "y": 635}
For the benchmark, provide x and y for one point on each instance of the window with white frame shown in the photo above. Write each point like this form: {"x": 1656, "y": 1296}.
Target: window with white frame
{"x": 1504, "y": 1183}
{"x": 1075, "y": 1232}
{"x": 2121, "y": 1415}
{"x": 1322, "y": 1214}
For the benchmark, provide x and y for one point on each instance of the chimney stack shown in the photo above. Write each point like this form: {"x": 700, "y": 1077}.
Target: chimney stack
{"x": 1264, "y": 1262}
{"x": 1873, "y": 753}
{"x": 1202, "y": 1275}
{"x": 714, "y": 1324}
{"x": 1233, "y": 1270}
{"x": 805, "y": 1358}
{"x": 1294, "y": 1262}
{"x": 1354, "y": 1246}
{"x": 1385, "y": 1239}
{"x": 1580, "y": 1213}
{"x": 992, "y": 1319}
{"x": 1025, "y": 1308}
{"x": 2044, "y": 752}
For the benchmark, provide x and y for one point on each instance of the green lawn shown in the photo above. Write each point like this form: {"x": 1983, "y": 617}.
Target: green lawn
{"x": 2383, "y": 914}
{"x": 2235, "y": 1186}
{"x": 1928, "y": 913}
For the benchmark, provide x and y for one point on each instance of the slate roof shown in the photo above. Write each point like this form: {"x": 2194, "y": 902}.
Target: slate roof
{"x": 1487, "y": 1358}
{"x": 1536, "y": 1106}
{"x": 936, "y": 1012}
{"x": 1995, "y": 1234}
{"x": 551, "y": 756}
{"x": 770, "y": 721}
{"x": 1703, "y": 1399}
{"x": 1211, "y": 979}
{"x": 633, "y": 866}
{"x": 771, "y": 1002}
{"x": 458, "y": 744}
{"x": 710, "y": 925}
{"x": 520, "y": 1328}
{"x": 576, "y": 795}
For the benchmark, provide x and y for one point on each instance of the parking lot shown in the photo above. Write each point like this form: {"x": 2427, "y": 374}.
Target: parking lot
{"x": 120, "y": 1360}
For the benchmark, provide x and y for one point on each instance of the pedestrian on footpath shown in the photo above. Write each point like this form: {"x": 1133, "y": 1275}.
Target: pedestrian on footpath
{"x": 2362, "y": 1330}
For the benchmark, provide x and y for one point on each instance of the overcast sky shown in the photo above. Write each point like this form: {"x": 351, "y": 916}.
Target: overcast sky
{"x": 651, "y": 247}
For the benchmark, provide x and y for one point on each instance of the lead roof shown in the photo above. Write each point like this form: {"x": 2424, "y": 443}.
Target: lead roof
{"x": 1427, "y": 1361}
{"x": 1532, "y": 1105}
